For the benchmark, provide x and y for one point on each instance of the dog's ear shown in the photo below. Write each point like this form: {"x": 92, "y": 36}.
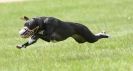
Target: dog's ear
{"x": 24, "y": 18}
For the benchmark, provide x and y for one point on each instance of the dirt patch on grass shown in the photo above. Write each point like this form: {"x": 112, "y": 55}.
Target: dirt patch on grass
{"x": 8, "y": 1}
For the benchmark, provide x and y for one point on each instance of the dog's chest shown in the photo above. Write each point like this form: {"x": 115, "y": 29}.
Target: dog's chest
{"x": 53, "y": 37}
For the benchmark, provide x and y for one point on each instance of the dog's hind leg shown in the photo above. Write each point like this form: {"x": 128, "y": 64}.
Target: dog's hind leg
{"x": 78, "y": 38}
{"x": 89, "y": 36}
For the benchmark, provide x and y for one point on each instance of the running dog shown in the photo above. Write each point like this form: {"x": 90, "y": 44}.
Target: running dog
{"x": 52, "y": 29}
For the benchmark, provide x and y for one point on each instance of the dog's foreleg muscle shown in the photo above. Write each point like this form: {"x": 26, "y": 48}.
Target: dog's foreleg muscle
{"x": 31, "y": 40}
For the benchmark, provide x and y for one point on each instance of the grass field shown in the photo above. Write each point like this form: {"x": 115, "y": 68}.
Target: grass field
{"x": 113, "y": 54}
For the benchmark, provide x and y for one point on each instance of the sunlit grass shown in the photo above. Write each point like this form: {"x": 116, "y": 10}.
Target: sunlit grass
{"x": 113, "y": 54}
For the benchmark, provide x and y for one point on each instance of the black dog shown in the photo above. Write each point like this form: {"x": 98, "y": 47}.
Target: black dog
{"x": 53, "y": 29}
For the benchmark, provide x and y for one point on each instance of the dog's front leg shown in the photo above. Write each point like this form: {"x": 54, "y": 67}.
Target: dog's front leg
{"x": 31, "y": 40}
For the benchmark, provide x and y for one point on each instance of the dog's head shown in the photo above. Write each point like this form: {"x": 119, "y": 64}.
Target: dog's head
{"x": 30, "y": 26}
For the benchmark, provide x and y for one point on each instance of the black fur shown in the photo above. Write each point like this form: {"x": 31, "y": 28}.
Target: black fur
{"x": 55, "y": 29}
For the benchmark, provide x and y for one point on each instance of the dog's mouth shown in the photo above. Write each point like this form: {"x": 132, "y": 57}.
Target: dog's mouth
{"x": 26, "y": 32}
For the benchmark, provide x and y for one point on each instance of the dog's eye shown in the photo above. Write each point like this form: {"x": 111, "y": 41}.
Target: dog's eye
{"x": 26, "y": 24}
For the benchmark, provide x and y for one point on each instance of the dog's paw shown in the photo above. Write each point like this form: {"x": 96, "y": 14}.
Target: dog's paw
{"x": 20, "y": 46}
{"x": 103, "y": 35}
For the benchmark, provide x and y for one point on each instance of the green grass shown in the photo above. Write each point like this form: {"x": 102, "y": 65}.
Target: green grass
{"x": 113, "y": 54}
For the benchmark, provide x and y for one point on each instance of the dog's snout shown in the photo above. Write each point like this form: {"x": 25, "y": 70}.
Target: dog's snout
{"x": 21, "y": 31}
{"x": 25, "y": 32}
